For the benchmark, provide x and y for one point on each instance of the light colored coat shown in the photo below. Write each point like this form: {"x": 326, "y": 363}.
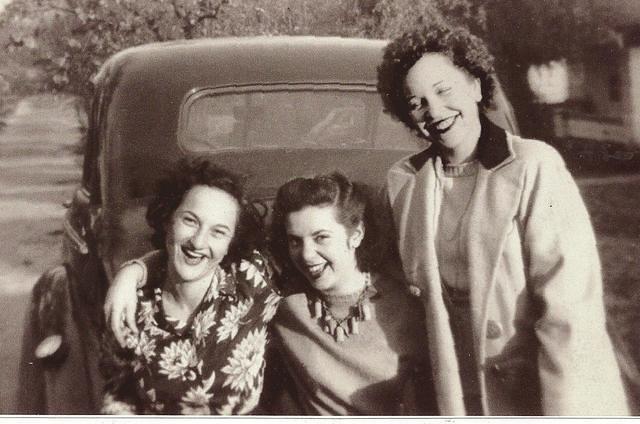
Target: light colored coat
{"x": 536, "y": 290}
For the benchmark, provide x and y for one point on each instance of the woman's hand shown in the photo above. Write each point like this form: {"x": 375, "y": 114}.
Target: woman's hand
{"x": 121, "y": 301}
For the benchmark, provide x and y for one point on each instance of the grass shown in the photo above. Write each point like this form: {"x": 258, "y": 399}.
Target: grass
{"x": 615, "y": 213}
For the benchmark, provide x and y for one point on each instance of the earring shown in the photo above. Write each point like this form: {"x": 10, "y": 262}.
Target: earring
{"x": 354, "y": 240}
{"x": 354, "y": 243}
{"x": 478, "y": 96}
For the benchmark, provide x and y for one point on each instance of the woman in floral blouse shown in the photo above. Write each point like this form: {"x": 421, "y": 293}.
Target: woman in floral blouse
{"x": 201, "y": 319}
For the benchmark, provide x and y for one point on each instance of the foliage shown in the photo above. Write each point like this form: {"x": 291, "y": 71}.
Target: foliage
{"x": 537, "y": 31}
{"x": 522, "y": 33}
{"x": 292, "y": 17}
{"x": 69, "y": 39}
{"x": 389, "y": 18}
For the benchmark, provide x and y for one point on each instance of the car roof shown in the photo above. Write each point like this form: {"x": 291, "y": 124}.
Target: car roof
{"x": 263, "y": 59}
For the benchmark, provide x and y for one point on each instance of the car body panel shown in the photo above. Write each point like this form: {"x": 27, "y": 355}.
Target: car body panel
{"x": 69, "y": 382}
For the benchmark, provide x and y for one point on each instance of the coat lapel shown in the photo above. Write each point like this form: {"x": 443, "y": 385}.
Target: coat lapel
{"x": 491, "y": 215}
{"x": 414, "y": 212}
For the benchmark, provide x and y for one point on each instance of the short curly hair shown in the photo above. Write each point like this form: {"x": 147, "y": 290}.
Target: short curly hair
{"x": 188, "y": 173}
{"x": 354, "y": 203}
{"x": 465, "y": 50}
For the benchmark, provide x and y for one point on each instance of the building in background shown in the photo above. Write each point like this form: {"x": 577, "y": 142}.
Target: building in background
{"x": 603, "y": 90}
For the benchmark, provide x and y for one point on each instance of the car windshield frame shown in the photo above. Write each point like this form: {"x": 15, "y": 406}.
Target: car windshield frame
{"x": 371, "y": 142}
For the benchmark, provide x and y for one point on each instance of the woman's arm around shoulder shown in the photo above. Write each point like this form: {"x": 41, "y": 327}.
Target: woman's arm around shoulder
{"x": 254, "y": 277}
{"x": 121, "y": 300}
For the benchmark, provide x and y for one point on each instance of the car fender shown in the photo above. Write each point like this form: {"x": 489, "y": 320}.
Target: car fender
{"x": 60, "y": 378}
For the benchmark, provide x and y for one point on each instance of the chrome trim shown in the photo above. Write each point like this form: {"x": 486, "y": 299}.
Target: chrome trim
{"x": 80, "y": 245}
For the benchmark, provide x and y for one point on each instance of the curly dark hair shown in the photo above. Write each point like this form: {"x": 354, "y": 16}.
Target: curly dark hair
{"x": 354, "y": 203}
{"x": 465, "y": 50}
{"x": 188, "y": 173}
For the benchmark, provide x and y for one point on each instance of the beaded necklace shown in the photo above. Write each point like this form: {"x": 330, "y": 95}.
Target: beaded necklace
{"x": 341, "y": 328}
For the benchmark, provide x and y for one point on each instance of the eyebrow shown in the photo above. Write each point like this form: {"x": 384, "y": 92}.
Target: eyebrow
{"x": 222, "y": 226}
{"x": 315, "y": 233}
{"x": 196, "y": 216}
{"x": 410, "y": 96}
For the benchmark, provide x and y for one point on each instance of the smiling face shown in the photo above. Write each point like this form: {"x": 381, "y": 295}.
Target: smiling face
{"x": 324, "y": 250}
{"x": 443, "y": 102}
{"x": 200, "y": 232}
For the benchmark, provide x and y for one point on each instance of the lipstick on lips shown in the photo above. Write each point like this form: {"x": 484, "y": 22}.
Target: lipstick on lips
{"x": 191, "y": 256}
{"x": 443, "y": 125}
{"x": 315, "y": 271}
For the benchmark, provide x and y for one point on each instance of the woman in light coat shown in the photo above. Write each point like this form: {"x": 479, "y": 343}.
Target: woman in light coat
{"x": 495, "y": 240}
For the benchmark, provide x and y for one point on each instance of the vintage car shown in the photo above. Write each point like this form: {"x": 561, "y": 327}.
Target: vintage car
{"x": 270, "y": 108}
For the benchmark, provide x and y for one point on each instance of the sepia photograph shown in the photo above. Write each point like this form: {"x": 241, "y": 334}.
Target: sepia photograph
{"x": 417, "y": 208}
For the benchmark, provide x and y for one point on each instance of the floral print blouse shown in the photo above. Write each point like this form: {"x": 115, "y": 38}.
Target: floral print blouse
{"x": 211, "y": 364}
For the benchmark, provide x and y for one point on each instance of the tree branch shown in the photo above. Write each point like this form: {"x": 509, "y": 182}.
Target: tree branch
{"x": 214, "y": 13}
{"x": 63, "y": 9}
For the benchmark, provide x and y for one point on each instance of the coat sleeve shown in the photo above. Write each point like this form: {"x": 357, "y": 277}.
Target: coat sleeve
{"x": 577, "y": 367}
{"x": 387, "y": 243}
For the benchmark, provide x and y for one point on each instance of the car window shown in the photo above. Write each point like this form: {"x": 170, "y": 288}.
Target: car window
{"x": 296, "y": 116}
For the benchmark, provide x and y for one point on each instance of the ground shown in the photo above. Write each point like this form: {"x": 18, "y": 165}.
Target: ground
{"x": 39, "y": 171}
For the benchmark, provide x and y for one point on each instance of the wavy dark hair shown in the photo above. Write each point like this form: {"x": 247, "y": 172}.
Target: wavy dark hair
{"x": 354, "y": 203}
{"x": 188, "y": 173}
{"x": 465, "y": 50}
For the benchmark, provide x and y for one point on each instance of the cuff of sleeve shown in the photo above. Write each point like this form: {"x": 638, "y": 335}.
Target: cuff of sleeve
{"x": 141, "y": 281}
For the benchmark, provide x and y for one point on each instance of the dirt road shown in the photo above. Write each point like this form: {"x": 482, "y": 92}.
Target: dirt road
{"x": 38, "y": 171}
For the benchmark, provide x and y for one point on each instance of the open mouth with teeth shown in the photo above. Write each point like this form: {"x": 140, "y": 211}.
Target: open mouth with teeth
{"x": 191, "y": 257}
{"x": 443, "y": 125}
{"x": 315, "y": 271}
